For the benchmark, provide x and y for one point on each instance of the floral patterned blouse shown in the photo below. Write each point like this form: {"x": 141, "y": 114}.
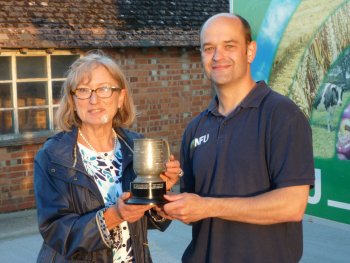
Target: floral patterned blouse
{"x": 106, "y": 170}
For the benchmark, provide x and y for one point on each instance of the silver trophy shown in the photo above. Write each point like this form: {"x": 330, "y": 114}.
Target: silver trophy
{"x": 149, "y": 160}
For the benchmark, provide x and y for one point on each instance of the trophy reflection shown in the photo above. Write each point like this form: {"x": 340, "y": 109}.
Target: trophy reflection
{"x": 150, "y": 156}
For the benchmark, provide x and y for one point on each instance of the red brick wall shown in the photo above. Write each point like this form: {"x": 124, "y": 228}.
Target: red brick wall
{"x": 16, "y": 177}
{"x": 169, "y": 89}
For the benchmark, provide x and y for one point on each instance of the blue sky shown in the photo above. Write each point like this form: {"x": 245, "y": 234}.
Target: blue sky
{"x": 273, "y": 26}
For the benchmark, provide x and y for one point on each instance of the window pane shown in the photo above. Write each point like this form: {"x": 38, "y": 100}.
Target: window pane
{"x": 54, "y": 117}
{"x": 5, "y": 95}
{"x": 56, "y": 91}
{"x": 31, "y": 67}
{"x": 5, "y": 68}
{"x": 60, "y": 64}
{"x": 33, "y": 120}
{"x": 32, "y": 94}
{"x": 6, "y": 121}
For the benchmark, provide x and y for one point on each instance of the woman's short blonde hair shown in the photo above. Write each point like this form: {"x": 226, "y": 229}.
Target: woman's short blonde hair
{"x": 80, "y": 70}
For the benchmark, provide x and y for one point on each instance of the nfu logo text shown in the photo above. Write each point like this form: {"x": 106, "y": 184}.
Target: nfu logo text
{"x": 200, "y": 140}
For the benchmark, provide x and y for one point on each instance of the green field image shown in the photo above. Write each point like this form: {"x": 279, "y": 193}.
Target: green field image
{"x": 324, "y": 141}
{"x": 313, "y": 51}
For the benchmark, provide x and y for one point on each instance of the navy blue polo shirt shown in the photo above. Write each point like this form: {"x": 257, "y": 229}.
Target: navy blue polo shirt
{"x": 264, "y": 144}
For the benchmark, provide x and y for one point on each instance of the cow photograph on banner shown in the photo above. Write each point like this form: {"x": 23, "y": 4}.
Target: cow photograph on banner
{"x": 304, "y": 53}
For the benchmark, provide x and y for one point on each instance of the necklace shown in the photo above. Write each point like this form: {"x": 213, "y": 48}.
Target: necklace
{"x": 104, "y": 156}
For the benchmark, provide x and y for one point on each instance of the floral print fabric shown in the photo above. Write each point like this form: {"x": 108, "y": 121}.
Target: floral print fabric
{"x": 106, "y": 170}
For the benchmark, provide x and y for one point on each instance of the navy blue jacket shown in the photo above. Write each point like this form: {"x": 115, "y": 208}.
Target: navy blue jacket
{"x": 68, "y": 198}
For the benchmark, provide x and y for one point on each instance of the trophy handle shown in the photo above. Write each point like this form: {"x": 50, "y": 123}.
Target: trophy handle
{"x": 167, "y": 149}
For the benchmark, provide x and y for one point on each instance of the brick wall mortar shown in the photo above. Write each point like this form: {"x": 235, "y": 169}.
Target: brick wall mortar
{"x": 166, "y": 101}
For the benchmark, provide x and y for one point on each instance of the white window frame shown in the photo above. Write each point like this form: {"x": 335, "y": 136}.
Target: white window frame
{"x": 50, "y": 106}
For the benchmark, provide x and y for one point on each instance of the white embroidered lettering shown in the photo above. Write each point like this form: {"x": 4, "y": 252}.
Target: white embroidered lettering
{"x": 200, "y": 140}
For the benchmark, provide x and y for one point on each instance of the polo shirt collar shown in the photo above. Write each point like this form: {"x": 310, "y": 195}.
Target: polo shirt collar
{"x": 252, "y": 100}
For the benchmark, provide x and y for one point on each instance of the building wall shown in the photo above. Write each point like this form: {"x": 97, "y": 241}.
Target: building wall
{"x": 169, "y": 89}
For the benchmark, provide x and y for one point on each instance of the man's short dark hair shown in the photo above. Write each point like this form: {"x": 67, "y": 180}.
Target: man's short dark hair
{"x": 247, "y": 28}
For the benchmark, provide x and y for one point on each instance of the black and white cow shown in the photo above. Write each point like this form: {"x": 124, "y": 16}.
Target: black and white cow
{"x": 332, "y": 96}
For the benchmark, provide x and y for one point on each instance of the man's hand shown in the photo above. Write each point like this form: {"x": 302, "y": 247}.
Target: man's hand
{"x": 186, "y": 207}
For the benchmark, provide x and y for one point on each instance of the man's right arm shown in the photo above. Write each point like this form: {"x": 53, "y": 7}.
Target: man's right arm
{"x": 280, "y": 205}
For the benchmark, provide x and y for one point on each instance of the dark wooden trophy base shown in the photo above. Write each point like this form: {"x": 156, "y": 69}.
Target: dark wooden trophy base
{"x": 150, "y": 193}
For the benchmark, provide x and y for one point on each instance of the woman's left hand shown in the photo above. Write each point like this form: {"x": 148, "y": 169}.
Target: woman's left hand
{"x": 172, "y": 172}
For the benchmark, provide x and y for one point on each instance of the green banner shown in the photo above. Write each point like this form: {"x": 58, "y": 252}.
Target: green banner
{"x": 304, "y": 53}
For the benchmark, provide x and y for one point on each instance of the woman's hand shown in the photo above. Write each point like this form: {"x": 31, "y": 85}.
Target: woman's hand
{"x": 120, "y": 212}
{"x": 130, "y": 213}
{"x": 172, "y": 172}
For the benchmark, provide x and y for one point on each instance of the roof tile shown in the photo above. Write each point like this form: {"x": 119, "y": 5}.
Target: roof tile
{"x": 104, "y": 23}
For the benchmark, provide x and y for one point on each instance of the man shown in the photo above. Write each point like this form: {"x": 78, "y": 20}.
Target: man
{"x": 247, "y": 160}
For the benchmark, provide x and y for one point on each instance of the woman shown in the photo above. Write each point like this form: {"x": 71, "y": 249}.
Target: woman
{"x": 80, "y": 174}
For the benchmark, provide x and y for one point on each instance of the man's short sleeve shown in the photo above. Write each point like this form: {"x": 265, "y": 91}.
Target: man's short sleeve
{"x": 291, "y": 155}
